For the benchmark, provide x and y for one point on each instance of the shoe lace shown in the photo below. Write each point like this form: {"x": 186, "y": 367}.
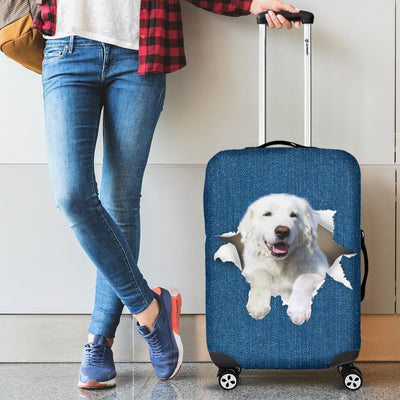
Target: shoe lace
{"x": 95, "y": 354}
{"x": 155, "y": 346}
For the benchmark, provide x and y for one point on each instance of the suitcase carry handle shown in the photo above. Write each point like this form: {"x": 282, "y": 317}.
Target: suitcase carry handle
{"x": 275, "y": 142}
{"x": 304, "y": 17}
{"x": 364, "y": 250}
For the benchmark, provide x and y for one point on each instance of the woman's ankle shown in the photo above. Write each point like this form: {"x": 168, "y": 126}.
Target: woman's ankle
{"x": 110, "y": 341}
{"x": 149, "y": 315}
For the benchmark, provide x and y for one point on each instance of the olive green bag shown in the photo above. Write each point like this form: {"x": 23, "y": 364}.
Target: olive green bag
{"x": 18, "y": 40}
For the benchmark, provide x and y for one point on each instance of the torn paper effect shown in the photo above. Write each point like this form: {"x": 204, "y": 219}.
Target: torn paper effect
{"x": 229, "y": 234}
{"x": 336, "y": 271}
{"x": 328, "y": 246}
{"x": 326, "y": 219}
{"x": 318, "y": 287}
{"x": 228, "y": 252}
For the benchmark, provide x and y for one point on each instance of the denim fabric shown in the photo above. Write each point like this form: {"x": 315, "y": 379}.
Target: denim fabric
{"x": 80, "y": 77}
{"x": 328, "y": 179}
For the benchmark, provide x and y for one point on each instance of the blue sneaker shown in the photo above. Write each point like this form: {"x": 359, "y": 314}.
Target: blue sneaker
{"x": 166, "y": 350}
{"x": 97, "y": 369}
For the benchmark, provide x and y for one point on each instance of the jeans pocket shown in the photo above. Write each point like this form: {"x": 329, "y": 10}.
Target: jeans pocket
{"x": 54, "y": 53}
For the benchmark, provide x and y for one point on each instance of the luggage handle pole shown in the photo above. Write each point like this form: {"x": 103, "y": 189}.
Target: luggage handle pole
{"x": 307, "y": 85}
{"x": 262, "y": 80}
{"x": 307, "y": 19}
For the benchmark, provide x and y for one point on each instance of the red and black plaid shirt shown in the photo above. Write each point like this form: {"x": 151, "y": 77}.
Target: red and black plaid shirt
{"x": 160, "y": 32}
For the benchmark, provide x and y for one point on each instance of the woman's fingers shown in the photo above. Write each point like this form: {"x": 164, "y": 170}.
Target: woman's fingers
{"x": 275, "y": 20}
{"x": 285, "y": 22}
{"x": 269, "y": 21}
{"x": 278, "y": 21}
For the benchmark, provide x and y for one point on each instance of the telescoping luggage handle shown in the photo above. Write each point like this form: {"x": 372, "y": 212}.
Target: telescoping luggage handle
{"x": 306, "y": 18}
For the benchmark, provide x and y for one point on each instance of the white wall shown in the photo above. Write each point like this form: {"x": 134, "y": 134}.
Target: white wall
{"x": 211, "y": 104}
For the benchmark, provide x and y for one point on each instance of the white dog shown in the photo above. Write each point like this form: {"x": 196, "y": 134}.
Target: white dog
{"x": 281, "y": 255}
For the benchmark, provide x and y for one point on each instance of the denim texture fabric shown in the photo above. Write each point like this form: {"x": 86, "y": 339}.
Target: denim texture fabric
{"x": 327, "y": 179}
{"x": 80, "y": 78}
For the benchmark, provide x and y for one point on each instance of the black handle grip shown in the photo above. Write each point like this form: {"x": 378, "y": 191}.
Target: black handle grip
{"x": 304, "y": 17}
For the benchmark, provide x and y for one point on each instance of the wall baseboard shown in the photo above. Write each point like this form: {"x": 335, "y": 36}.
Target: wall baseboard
{"x": 380, "y": 338}
{"x": 60, "y": 338}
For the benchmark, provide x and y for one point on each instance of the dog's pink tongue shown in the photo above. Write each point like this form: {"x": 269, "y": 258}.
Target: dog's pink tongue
{"x": 280, "y": 248}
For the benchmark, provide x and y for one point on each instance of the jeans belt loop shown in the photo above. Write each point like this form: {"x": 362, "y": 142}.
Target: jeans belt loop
{"x": 71, "y": 44}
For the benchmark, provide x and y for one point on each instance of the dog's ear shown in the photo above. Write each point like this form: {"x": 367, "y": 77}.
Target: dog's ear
{"x": 311, "y": 218}
{"x": 246, "y": 223}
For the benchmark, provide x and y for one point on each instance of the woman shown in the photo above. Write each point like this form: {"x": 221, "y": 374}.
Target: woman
{"x": 114, "y": 56}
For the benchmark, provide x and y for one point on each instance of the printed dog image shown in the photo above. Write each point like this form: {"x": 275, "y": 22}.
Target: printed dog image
{"x": 281, "y": 255}
{"x": 277, "y": 249}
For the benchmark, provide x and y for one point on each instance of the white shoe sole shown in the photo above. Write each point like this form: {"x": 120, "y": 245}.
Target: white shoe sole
{"x": 93, "y": 384}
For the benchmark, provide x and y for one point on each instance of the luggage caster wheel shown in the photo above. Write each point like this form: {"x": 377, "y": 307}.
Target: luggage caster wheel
{"x": 228, "y": 379}
{"x": 352, "y": 379}
{"x": 357, "y": 369}
{"x": 344, "y": 368}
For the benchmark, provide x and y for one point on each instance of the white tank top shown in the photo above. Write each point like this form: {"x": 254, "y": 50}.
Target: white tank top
{"x": 110, "y": 21}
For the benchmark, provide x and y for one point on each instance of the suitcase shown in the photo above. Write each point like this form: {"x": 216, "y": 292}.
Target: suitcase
{"x": 283, "y": 251}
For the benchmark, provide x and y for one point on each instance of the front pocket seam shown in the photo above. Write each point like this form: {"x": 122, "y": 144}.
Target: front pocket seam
{"x": 55, "y": 58}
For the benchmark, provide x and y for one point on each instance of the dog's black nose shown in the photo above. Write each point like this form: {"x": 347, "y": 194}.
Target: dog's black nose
{"x": 282, "y": 231}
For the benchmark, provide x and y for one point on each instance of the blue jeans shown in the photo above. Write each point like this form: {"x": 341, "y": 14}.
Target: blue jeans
{"x": 80, "y": 77}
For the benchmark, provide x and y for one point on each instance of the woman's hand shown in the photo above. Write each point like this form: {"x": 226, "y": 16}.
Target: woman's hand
{"x": 274, "y": 20}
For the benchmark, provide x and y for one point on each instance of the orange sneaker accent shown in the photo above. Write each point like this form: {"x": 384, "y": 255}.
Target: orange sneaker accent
{"x": 176, "y": 304}
{"x": 92, "y": 384}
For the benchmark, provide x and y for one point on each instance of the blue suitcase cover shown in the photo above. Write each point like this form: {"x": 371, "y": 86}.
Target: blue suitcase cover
{"x": 328, "y": 180}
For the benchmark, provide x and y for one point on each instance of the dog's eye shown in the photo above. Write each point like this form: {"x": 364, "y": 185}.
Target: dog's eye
{"x": 268, "y": 214}
{"x": 293, "y": 215}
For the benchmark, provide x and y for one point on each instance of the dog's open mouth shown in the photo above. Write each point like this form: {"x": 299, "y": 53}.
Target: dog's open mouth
{"x": 278, "y": 249}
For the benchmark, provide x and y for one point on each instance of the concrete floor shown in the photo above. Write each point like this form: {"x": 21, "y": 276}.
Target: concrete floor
{"x": 196, "y": 381}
